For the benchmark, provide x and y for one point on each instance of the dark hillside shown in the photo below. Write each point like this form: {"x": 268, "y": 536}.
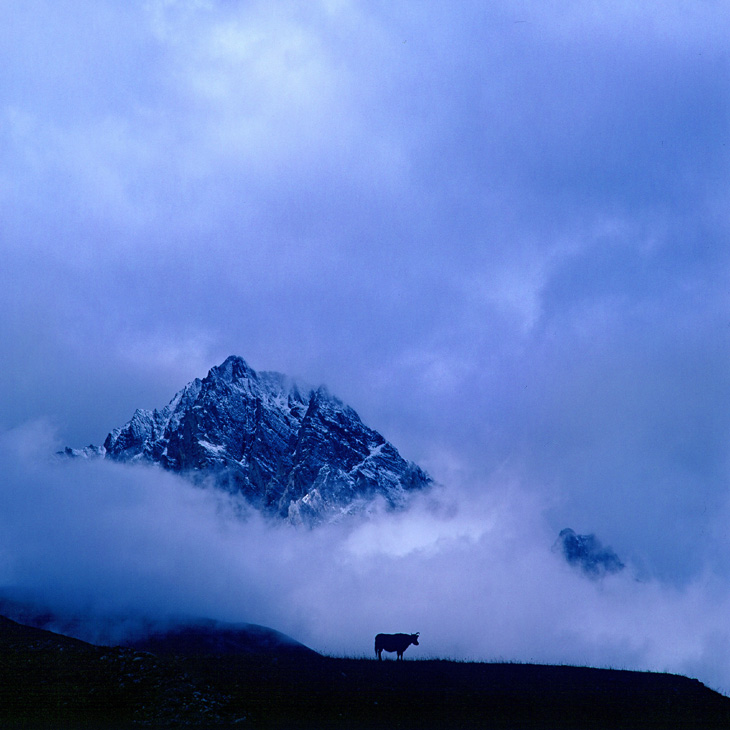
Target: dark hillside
{"x": 361, "y": 693}
{"x": 51, "y": 681}
{"x": 195, "y": 637}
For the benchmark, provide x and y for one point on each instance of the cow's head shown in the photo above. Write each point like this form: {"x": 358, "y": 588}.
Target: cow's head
{"x": 414, "y": 638}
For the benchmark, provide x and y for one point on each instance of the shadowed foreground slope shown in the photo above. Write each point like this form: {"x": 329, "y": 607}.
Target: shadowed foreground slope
{"x": 51, "y": 681}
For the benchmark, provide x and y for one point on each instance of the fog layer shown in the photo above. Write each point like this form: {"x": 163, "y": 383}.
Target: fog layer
{"x": 476, "y": 576}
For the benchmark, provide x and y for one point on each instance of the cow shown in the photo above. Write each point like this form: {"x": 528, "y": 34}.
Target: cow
{"x": 394, "y": 642}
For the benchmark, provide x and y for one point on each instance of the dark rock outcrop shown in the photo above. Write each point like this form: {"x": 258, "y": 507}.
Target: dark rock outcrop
{"x": 587, "y": 553}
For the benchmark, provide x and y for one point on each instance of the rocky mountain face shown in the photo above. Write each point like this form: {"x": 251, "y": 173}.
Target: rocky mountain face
{"x": 295, "y": 452}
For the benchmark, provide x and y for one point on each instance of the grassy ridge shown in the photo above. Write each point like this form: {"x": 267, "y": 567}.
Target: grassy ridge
{"x": 359, "y": 693}
{"x": 50, "y": 681}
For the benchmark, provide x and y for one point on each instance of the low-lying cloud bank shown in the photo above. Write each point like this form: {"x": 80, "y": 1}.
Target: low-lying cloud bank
{"x": 475, "y": 575}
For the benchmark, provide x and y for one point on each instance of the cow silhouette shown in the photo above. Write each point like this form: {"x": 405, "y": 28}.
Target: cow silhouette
{"x": 394, "y": 642}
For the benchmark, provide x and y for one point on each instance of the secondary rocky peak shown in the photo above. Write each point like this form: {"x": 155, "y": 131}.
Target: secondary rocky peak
{"x": 587, "y": 553}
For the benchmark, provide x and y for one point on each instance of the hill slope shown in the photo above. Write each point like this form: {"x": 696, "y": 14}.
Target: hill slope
{"x": 50, "y": 681}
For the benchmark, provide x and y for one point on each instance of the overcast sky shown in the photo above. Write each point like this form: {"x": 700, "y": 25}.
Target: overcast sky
{"x": 498, "y": 230}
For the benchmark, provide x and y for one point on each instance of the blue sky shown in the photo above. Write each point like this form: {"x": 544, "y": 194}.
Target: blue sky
{"x": 497, "y": 230}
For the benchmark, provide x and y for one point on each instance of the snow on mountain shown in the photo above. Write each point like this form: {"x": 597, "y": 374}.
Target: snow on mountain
{"x": 295, "y": 452}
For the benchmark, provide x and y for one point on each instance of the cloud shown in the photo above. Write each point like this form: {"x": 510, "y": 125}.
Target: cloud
{"x": 476, "y": 577}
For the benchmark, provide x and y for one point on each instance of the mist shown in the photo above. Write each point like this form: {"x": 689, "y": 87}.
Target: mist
{"x": 476, "y": 576}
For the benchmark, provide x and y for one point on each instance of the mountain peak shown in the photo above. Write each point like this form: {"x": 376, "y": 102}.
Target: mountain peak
{"x": 233, "y": 368}
{"x": 290, "y": 450}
